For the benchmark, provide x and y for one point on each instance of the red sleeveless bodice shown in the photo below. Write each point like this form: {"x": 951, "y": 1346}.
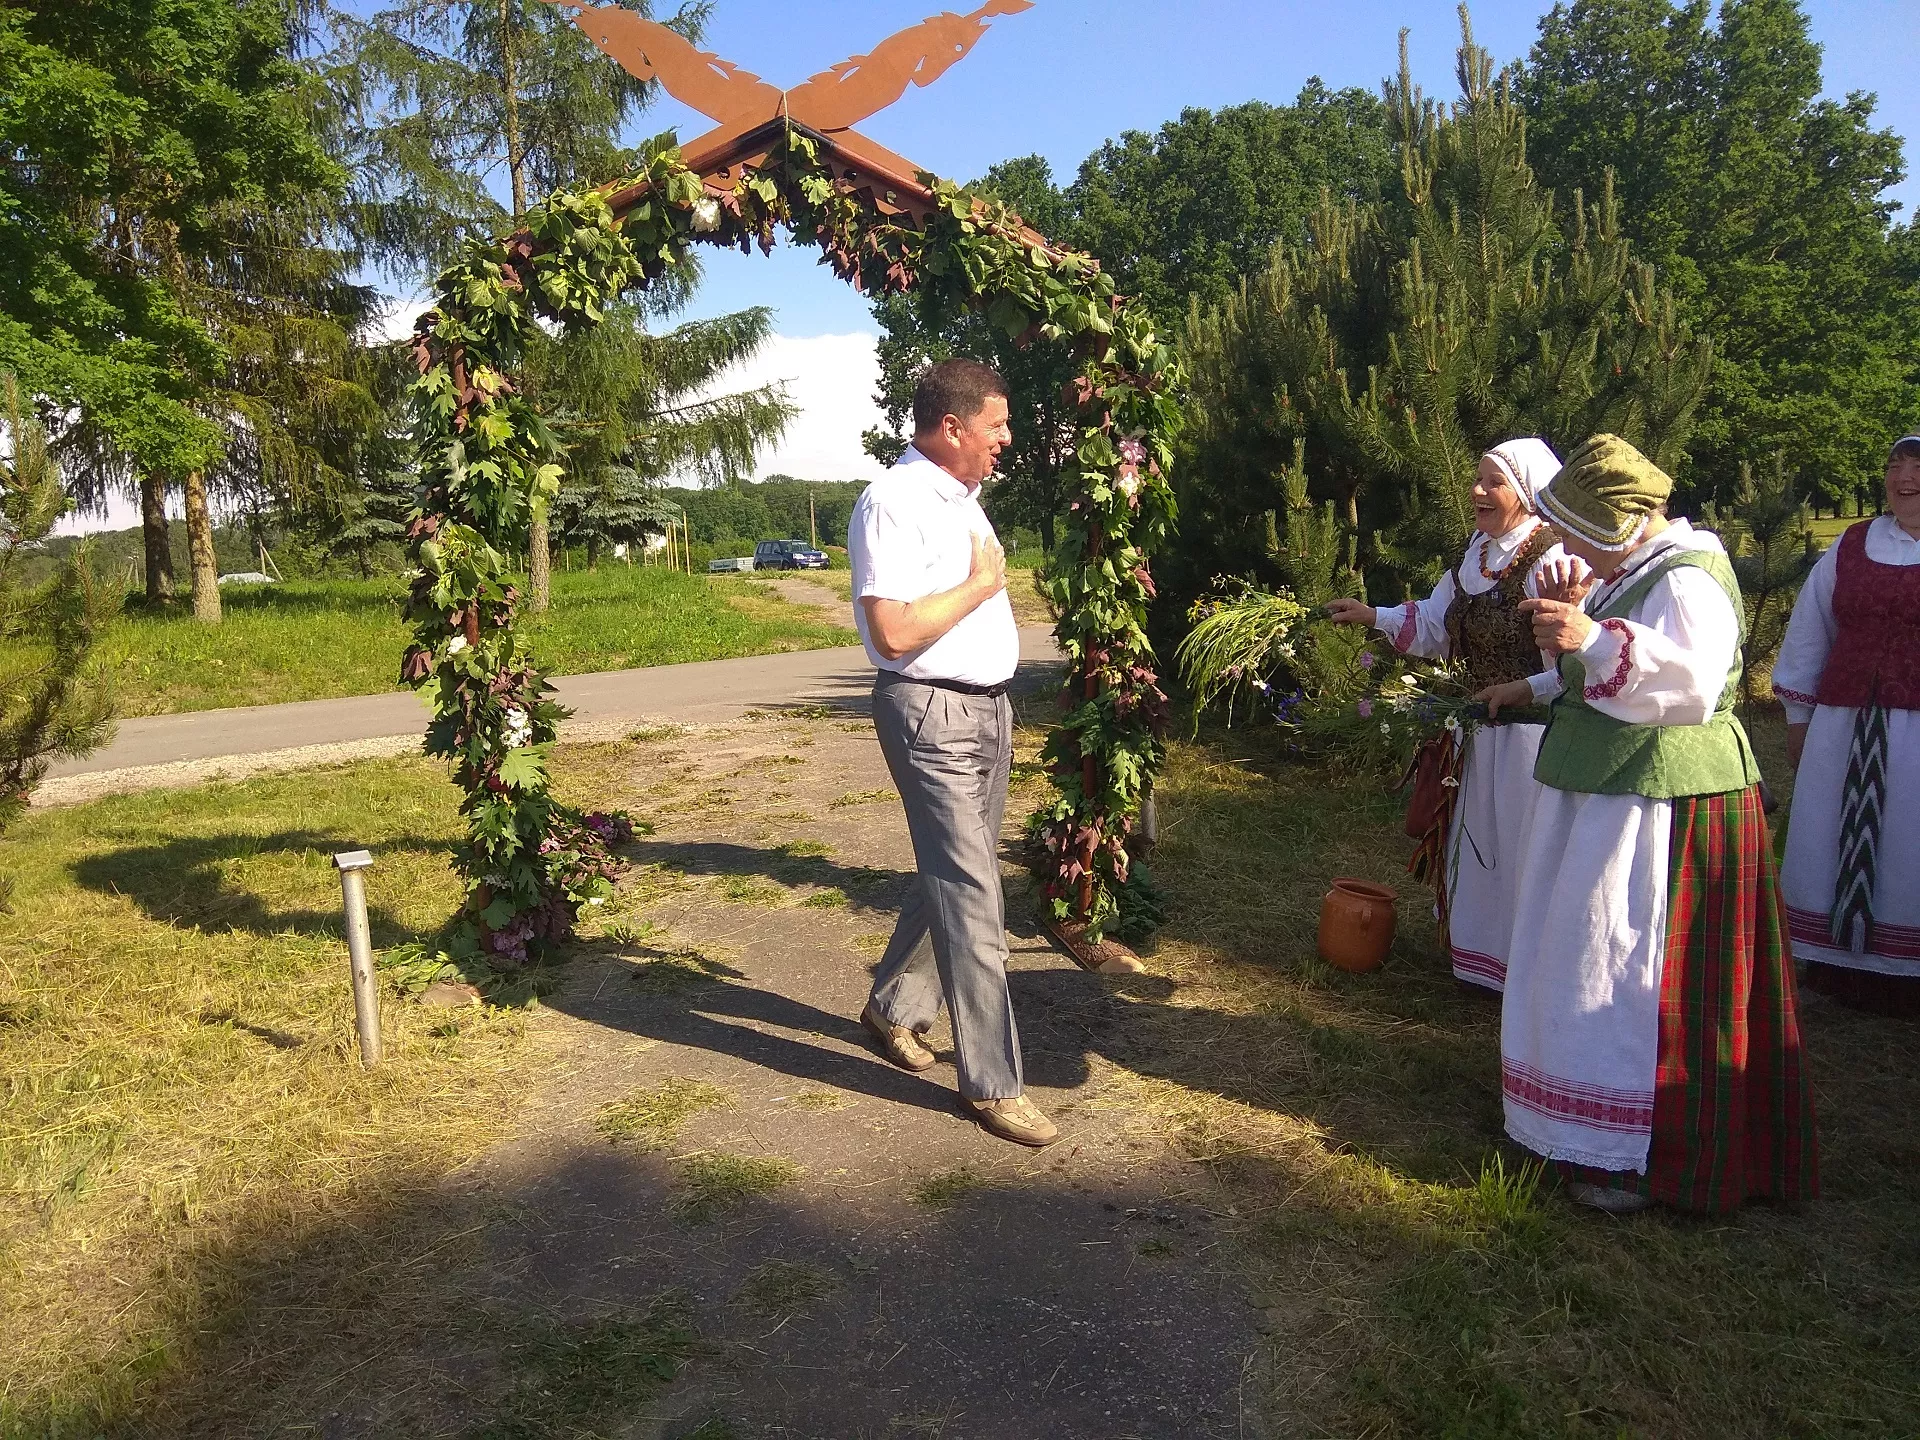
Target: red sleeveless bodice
{"x": 1876, "y": 619}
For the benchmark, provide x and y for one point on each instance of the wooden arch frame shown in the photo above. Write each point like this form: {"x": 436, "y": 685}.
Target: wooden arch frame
{"x": 488, "y": 463}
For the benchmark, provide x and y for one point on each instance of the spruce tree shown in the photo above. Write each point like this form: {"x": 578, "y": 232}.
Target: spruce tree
{"x": 1411, "y": 336}
{"x": 53, "y": 702}
{"x": 1769, "y": 537}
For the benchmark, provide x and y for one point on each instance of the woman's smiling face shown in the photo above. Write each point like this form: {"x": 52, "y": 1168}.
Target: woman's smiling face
{"x": 1903, "y": 486}
{"x": 1497, "y": 506}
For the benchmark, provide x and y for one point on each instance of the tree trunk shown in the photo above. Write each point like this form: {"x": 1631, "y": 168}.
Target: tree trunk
{"x": 206, "y": 574}
{"x": 159, "y": 544}
{"x": 593, "y": 554}
{"x": 539, "y": 549}
{"x": 539, "y": 568}
{"x": 510, "y": 87}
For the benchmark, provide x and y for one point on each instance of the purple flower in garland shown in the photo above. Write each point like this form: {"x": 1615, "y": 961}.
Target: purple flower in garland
{"x": 1366, "y": 709}
{"x": 1366, "y": 659}
{"x": 615, "y": 829}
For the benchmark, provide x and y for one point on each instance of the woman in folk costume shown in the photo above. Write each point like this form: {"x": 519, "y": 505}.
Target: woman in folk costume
{"x": 1650, "y": 1040}
{"x": 1473, "y": 616}
{"x": 1849, "y": 676}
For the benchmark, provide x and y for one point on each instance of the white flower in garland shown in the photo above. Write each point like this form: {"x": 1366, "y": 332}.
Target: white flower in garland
{"x": 1385, "y": 728}
{"x": 706, "y": 215}
{"x": 1453, "y": 725}
{"x": 519, "y": 729}
{"x": 457, "y": 644}
{"x": 1285, "y": 652}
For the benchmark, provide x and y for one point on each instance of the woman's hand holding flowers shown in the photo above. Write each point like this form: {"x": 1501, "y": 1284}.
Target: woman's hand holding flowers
{"x": 1514, "y": 695}
{"x": 1352, "y": 612}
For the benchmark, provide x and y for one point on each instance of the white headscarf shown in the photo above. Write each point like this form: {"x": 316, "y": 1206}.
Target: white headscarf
{"x": 1528, "y": 466}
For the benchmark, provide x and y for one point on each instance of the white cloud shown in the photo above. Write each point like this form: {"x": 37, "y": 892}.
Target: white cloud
{"x": 832, "y": 379}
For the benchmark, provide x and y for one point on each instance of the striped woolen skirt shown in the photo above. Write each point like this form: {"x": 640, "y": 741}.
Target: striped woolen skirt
{"x": 1733, "y": 1103}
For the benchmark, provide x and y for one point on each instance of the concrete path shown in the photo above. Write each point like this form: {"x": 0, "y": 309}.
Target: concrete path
{"x": 707, "y": 692}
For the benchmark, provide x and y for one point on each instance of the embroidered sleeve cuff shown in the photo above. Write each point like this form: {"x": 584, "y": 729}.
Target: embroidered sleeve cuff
{"x": 1614, "y": 682}
{"x": 1400, "y": 622}
{"x": 1799, "y": 707}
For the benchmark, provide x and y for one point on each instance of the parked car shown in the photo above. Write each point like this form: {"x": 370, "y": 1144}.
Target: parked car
{"x": 788, "y": 555}
{"x": 724, "y": 567}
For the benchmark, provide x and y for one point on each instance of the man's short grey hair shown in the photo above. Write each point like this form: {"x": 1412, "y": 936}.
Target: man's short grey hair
{"x": 960, "y": 388}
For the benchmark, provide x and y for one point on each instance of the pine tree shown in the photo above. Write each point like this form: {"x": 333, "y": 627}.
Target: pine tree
{"x": 1767, "y": 207}
{"x": 375, "y": 516}
{"x": 53, "y": 702}
{"x": 1769, "y": 536}
{"x": 1411, "y": 336}
{"x": 455, "y": 95}
{"x": 635, "y": 409}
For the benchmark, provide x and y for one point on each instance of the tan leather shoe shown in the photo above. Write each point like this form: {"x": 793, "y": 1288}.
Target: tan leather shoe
{"x": 896, "y": 1042}
{"x": 1018, "y": 1120}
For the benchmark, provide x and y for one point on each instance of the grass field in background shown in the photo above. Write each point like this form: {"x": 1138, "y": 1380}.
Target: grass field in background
{"x": 311, "y": 640}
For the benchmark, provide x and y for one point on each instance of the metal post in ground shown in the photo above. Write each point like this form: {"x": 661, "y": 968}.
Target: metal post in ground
{"x": 366, "y": 994}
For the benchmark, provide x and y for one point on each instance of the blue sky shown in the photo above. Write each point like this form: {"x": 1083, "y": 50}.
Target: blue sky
{"x": 1068, "y": 74}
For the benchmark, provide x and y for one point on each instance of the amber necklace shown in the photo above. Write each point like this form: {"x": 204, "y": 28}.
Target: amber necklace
{"x": 1486, "y": 544}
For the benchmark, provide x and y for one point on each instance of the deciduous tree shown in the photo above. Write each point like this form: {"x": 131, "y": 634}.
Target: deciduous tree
{"x": 1765, "y": 207}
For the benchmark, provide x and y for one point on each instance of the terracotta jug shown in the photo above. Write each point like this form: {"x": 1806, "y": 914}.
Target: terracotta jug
{"x": 1356, "y": 925}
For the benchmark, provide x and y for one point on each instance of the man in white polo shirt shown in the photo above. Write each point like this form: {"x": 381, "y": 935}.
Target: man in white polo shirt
{"x": 930, "y": 600}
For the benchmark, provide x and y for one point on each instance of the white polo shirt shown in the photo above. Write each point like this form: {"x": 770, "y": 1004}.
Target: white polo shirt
{"x": 911, "y": 536}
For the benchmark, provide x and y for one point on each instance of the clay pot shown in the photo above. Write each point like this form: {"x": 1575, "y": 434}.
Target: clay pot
{"x": 1356, "y": 926}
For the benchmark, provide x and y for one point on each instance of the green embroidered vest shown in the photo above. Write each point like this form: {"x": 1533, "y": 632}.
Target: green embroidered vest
{"x": 1586, "y": 751}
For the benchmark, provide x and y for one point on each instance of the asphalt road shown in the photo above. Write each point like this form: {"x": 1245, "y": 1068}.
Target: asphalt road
{"x": 712, "y": 690}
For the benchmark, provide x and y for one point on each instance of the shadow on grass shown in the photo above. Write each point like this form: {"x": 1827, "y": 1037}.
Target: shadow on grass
{"x": 682, "y": 998}
{"x": 186, "y": 882}
{"x": 864, "y": 885}
{"x": 563, "y": 1291}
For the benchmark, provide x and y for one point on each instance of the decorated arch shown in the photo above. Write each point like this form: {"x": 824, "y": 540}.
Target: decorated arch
{"x": 488, "y": 463}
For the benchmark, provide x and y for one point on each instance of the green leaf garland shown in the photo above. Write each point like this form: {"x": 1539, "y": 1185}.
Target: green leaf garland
{"x": 489, "y": 465}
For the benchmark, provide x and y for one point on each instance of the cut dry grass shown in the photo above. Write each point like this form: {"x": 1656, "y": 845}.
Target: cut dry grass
{"x": 711, "y": 1185}
{"x": 824, "y": 1102}
{"x": 780, "y": 1288}
{"x": 651, "y": 1120}
{"x": 938, "y": 1192}
{"x": 589, "y": 1378}
{"x": 184, "y": 1093}
{"x": 862, "y": 797}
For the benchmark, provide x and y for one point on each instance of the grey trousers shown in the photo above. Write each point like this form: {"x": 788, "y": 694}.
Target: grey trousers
{"x": 950, "y": 755}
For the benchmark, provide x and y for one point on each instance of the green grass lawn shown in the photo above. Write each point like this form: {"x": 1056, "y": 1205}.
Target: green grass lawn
{"x": 1417, "y": 1270}
{"x": 183, "y": 1102}
{"x": 197, "y": 1181}
{"x": 309, "y": 640}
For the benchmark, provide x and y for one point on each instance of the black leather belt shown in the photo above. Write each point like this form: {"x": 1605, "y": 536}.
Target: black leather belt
{"x": 958, "y": 687}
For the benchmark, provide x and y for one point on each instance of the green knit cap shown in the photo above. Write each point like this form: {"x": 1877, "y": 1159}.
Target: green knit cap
{"x": 1604, "y": 492}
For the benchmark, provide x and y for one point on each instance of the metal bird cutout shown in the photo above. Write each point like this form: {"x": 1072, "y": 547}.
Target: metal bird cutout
{"x": 830, "y": 103}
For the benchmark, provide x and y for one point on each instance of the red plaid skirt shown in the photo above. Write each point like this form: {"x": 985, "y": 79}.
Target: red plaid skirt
{"x": 1733, "y": 1103}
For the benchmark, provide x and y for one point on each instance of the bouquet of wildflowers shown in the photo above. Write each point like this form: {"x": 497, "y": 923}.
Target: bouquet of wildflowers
{"x": 1335, "y": 692}
{"x": 1393, "y": 708}
{"x": 1242, "y": 641}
